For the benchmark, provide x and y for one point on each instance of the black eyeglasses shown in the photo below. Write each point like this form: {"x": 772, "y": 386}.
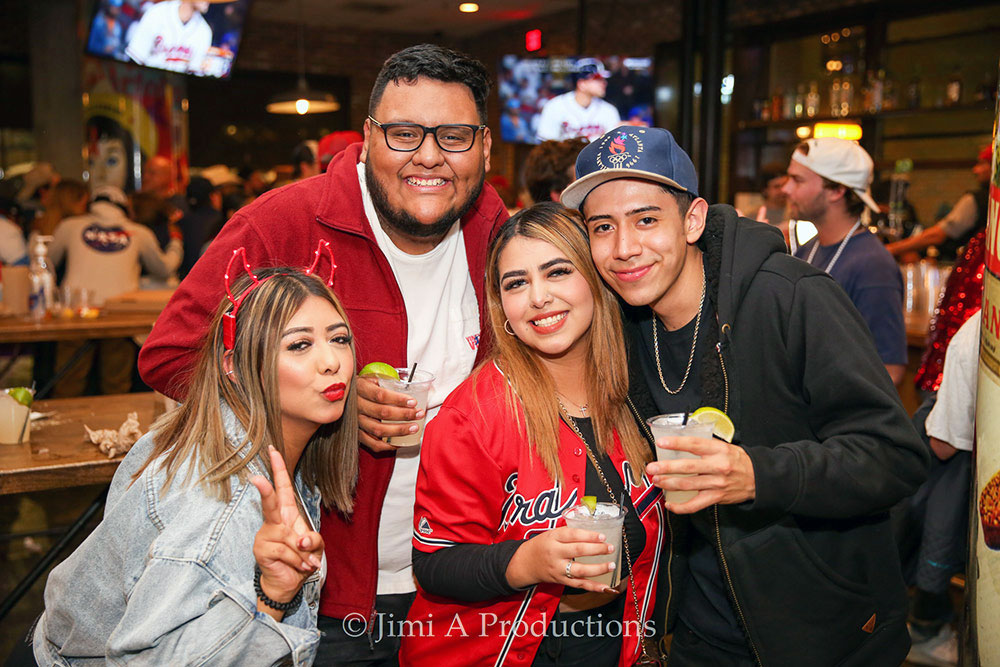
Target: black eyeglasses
{"x": 408, "y": 137}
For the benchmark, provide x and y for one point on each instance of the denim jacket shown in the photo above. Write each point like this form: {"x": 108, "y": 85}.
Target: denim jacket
{"x": 168, "y": 578}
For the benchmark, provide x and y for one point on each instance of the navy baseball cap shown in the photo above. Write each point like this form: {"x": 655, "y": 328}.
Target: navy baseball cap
{"x": 648, "y": 153}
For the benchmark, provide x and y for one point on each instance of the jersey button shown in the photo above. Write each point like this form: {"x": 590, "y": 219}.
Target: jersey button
{"x": 576, "y": 478}
{"x": 578, "y": 452}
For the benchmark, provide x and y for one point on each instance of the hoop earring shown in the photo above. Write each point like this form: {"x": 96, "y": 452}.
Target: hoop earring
{"x": 507, "y": 328}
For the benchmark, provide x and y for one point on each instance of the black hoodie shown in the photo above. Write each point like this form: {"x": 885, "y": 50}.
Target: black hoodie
{"x": 810, "y": 563}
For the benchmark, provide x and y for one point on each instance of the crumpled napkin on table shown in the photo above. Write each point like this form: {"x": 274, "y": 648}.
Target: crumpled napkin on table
{"x": 112, "y": 442}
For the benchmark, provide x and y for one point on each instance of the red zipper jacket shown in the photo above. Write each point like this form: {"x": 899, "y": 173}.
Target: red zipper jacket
{"x": 282, "y": 228}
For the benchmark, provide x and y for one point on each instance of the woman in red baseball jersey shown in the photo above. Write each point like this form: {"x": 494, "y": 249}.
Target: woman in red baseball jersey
{"x": 532, "y": 431}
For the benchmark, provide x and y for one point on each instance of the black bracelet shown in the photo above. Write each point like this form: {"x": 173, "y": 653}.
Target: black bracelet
{"x": 277, "y": 606}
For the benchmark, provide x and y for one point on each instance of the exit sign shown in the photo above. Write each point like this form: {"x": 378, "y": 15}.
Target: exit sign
{"x": 533, "y": 40}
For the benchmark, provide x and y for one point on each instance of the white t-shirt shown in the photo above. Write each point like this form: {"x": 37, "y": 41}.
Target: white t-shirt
{"x": 442, "y": 337}
{"x": 953, "y": 417}
{"x": 105, "y": 252}
{"x": 13, "y": 249}
{"x": 161, "y": 40}
{"x": 562, "y": 117}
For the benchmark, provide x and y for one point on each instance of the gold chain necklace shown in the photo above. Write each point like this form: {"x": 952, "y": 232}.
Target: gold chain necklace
{"x": 582, "y": 408}
{"x": 694, "y": 343}
{"x": 646, "y": 659}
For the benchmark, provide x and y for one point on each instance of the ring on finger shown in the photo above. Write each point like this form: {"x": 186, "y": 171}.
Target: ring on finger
{"x": 569, "y": 574}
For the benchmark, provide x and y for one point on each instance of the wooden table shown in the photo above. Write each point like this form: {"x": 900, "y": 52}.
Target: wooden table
{"x": 58, "y": 456}
{"x": 107, "y": 325}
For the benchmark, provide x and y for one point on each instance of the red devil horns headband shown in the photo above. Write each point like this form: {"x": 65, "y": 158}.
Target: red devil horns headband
{"x": 229, "y": 318}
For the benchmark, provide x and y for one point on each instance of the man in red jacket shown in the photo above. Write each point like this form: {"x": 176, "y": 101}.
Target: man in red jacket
{"x": 409, "y": 219}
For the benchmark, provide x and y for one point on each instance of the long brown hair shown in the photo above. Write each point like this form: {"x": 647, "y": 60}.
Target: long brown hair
{"x": 195, "y": 431}
{"x": 529, "y": 383}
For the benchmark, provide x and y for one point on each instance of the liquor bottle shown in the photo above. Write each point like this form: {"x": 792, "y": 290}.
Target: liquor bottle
{"x": 777, "y": 102}
{"x": 812, "y": 99}
{"x": 800, "y": 101}
{"x": 846, "y": 96}
{"x": 835, "y": 97}
{"x": 43, "y": 280}
{"x": 788, "y": 105}
{"x": 953, "y": 89}
{"x": 913, "y": 92}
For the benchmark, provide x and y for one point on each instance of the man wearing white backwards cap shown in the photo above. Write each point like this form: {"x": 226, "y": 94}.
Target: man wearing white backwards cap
{"x": 828, "y": 184}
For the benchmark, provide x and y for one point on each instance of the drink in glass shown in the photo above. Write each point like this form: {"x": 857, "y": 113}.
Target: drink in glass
{"x": 418, "y": 390}
{"x": 607, "y": 518}
{"x": 677, "y": 424}
{"x": 13, "y": 421}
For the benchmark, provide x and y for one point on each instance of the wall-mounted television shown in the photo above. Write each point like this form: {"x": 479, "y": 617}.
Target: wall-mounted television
{"x": 199, "y": 38}
{"x": 572, "y": 96}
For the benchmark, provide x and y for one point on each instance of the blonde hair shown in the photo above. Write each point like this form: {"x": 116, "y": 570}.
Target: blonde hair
{"x": 529, "y": 383}
{"x": 195, "y": 430}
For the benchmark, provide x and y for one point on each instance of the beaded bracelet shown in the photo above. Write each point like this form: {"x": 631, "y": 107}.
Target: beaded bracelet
{"x": 277, "y": 606}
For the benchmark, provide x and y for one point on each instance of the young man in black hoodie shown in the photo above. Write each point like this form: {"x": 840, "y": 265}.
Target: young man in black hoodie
{"x": 785, "y": 556}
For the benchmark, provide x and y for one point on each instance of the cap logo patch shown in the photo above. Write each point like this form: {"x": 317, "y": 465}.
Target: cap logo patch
{"x": 619, "y": 150}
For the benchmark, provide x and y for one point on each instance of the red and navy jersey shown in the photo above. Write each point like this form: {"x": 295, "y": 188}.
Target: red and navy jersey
{"x": 481, "y": 483}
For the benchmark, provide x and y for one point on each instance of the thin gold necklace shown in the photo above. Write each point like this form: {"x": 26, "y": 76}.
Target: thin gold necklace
{"x": 694, "y": 343}
{"x": 647, "y": 658}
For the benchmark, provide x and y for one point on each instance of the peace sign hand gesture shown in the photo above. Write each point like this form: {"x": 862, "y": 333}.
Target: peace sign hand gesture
{"x": 286, "y": 549}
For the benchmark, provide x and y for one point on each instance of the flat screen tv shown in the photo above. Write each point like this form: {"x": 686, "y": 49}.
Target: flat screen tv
{"x": 615, "y": 90}
{"x": 197, "y": 38}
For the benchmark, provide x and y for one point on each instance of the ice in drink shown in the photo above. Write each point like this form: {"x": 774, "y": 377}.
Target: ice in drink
{"x": 608, "y": 519}
{"x": 677, "y": 424}
{"x": 418, "y": 389}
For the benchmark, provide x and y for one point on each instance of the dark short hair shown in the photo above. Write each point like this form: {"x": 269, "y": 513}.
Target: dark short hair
{"x": 683, "y": 198}
{"x": 771, "y": 171}
{"x": 302, "y": 153}
{"x": 433, "y": 62}
{"x": 548, "y": 166}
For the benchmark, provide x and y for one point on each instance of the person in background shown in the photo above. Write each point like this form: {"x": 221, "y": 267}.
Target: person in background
{"x": 333, "y": 143}
{"x": 828, "y": 181}
{"x": 774, "y": 210}
{"x": 35, "y": 194}
{"x": 966, "y": 217}
{"x": 158, "y": 178}
{"x": 69, "y": 197}
{"x": 204, "y": 217}
{"x": 548, "y": 169}
{"x": 785, "y": 555}
{"x": 937, "y": 516}
{"x": 961, "y": 297}
{"x": 208, "y": 551}
{"x": 105, "y": 252}
{"x": 516, "y": 429}
{"x": 305, "y": 159}
{"x": 409, "y": 212}
{"x": 582, "y": 112}
{"x": 156, "y": 213}
{"x": 13, "y": 249}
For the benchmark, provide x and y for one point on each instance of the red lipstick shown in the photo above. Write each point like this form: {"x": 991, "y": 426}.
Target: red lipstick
{"x": 334, "y": 392}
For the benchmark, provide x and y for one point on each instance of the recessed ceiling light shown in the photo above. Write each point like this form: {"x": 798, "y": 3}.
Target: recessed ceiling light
{"x": 468, "y": 7}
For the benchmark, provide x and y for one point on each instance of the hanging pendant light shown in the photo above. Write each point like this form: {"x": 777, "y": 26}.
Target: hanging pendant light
{"x": 302, "y": 100}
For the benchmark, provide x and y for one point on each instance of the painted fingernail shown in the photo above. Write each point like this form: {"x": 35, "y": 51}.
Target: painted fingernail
{"x": 414, "y": 428}
{"x": 601, "y": 537}
{"x": 315, "y": 561}
{"x": 611, "y": 566}
{"x": 305, "y": 567}
{"x": 611, "y": 548}
{"x": 412, "y": 403}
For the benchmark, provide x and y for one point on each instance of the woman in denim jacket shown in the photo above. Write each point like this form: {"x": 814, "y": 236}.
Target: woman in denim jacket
{"x": 192, "y": 564}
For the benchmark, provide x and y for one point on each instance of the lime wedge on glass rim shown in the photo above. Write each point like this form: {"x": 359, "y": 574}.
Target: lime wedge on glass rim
{"x": 379, "y": 369}
{"x": 590, "y": 502}
{"x": 22, "y": 395}
{"x": 723, "y": 425}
